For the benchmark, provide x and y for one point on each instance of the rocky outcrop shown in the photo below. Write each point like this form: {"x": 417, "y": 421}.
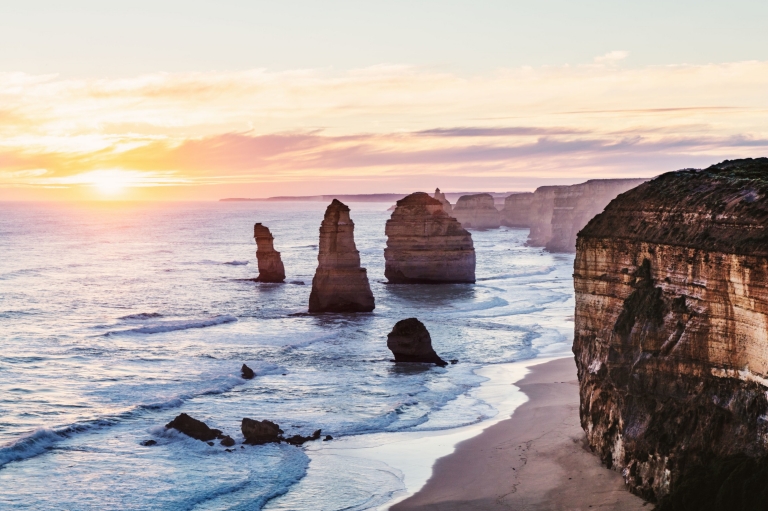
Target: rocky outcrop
{"x": 260, "y": 432}
{"x": 426, "y": 245}
{"x": 477, "y": 212}
{"x": 671, "y": 330}
{"x": 409, "y": 341}
{"x": 576, "y": 205}
{"x": 517, "y": 210}
{"x": 247, "y": 373}
{"x": 446, "y": 204}
{"x": 271, "y": 267}
{"x": 194, "y": 428}
{"x": 340, "y": 284}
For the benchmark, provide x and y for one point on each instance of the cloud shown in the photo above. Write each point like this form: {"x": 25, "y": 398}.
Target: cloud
{"x": 611, "y": 57}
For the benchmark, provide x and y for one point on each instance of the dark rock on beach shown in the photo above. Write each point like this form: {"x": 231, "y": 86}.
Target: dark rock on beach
{"x": 194, "y": 428}
{"x": 298, "y": 439}
{"x": 410, "y": 341}
{"x": 247, "y": 372}
{"x": 260, "y": 432}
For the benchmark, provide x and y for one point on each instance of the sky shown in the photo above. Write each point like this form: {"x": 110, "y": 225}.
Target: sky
{"x": 200, "y": 100}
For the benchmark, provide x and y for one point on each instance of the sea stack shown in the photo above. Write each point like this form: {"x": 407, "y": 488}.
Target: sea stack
{"x": 425, "y": 245}
{"x": 340, "y": 284}
{"x": 446, "y": 204}
{"x": 670, "y": 339}
{"x": 409, "y": 341}
{"x": 271, "y": 267}
{"x": 477, "y": 212}
{"x": 517, "y": 210}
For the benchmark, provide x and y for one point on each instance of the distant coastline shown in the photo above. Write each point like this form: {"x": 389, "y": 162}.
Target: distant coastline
{"x": 372, "y": 197}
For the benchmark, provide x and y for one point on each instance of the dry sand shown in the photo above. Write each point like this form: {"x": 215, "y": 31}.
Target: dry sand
{"x": 536, "y": 460}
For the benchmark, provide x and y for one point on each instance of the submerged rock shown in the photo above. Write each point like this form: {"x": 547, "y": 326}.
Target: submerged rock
{"x": 671, "y": 285}
{"x": 426, "y": 245}
{"x": 441, "y": 197}
{"x": 247, "y": 372}
{"x": 271, "y": 267}
{"x": 260, "y": 432}
{"x": 227, "y": 441}
{"x": 194, "y": 428}
{"x": 340, "y": 284}
{"x": 409, "y": 341}
{"x": 477, "y": 212}
{"x": 149, "y": 443}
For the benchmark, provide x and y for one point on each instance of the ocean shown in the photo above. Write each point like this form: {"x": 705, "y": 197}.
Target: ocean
{"x": 116, "y": 317}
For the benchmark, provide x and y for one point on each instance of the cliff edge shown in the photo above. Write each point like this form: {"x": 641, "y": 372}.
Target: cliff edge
{"x": 671, "y": 332}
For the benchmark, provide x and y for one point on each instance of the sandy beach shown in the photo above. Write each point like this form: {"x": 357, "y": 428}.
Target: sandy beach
{"x": 535, "y": 460}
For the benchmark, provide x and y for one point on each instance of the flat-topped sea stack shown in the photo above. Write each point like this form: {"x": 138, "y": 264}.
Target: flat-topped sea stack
{"x": 340, "y": 284}
{"x": 425, "y": 245}
{"x": 477, "y": 212}
{"x": 517, "y": 210}
{"x": 271, "y": 267}
{"x": 671, "y": 335}
{"x": 445, "y": 202}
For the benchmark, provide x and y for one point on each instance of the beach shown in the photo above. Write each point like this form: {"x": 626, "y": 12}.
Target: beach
{"x": 537, "y": 459}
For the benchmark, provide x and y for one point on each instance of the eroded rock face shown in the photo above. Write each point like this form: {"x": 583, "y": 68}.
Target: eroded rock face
{"x": 426, "y": 245}
{"x": 271, "y": 267}
{"x": 445, "y": 202}
{"x": 409, "y": 341}
{"x": 517, "y": 210}
{"x": 671, "y": 325}
{"x": 340, "y": 284}
{"x": 477, "y": 212}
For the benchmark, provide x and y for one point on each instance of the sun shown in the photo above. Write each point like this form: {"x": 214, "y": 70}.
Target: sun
{"x": 111, "y": 181}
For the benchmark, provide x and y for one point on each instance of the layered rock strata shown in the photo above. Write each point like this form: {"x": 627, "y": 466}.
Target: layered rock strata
{"x": 517, "y": 210}
{"x": 271, "y": 267}
{"x": 426, "y": 245}
{"x": 409, "y": 341}
{"x": 671, "y": 327}
{"x": 477, "y": 212}
{"x": 340, "y": 284}
{"x": 445, "y": 202}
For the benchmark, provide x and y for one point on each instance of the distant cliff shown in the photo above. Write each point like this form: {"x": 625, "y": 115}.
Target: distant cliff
{"x": 477, "y": 211}
{"x": 517, "y": 210}
{"x": 671, "y": 334}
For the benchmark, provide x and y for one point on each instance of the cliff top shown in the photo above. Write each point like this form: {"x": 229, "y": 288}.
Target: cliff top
{"x": 419, "y": 199}
{"x": 721, "y": 208}
{"x": 478, "y": 200}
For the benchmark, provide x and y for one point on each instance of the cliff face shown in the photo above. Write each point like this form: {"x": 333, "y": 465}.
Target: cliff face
{"x": 271, "y": 267}
{"x": 426, "y": 245}
{"x": 477, "y": 212}
{"x": 671, "y": 325}
{"x": 517, "y": 210}
{"x": 446, "y": 204}
{"x": 340, "y": 284}
{"x": 542, "y": 208}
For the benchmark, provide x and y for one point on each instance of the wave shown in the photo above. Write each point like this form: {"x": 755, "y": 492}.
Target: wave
{"x": 172, "y": 326}
{"x": 236, "y": 263}
{"x": 142, "y": 315}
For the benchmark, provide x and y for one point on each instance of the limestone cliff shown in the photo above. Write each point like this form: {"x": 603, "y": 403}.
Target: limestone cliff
{"x": 477, "y": 212}
{"x": 446, "y": 204}
{"x": 671, "y": 327}
{"x": 340, "y": 284}
{"x": 542, "y": 208}
{"x": 517, "y": 210}
{"x": 271, "y": 267}
{"x": 426, "y": 245}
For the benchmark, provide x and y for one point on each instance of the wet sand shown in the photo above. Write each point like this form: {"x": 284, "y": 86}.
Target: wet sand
{"x": 535, "y": 460}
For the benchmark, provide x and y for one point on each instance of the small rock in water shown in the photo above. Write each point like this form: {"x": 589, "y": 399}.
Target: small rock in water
{"x": 227, "y": 441}
{"x": 455, "y": 361}
{"x": 210, "y": 443}
{"x": 409, "y": 341}
{"x": 327, "y": 437}
{"x": 147, "y": 443}
{"x": 194, "y": 428}
{"x": 247, "y": 372}
{"x": 298, "y": 439}
{"x": 260, "y": 432}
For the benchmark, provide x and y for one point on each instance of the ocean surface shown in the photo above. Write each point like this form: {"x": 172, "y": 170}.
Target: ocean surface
{"x": 116, "y": 318}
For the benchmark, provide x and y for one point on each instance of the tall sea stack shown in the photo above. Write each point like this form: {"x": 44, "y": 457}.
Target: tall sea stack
{"x": 446, "y": 204}
{"x": 477, "y": 212}
{"x": 426, "y": 245}
{"x": 271, "y": 267}
{"x": 340, "y": 284}
{"x": 671, "y": 333}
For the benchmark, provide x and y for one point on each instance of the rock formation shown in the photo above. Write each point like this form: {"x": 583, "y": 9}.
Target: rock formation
{"x": 446, "y": 204}
{"x": 194, "y": 428}
{"x": 517, "y": 210}
{"x": 247, "y": 373}
{"x": 671, "y": 328}
{"x": 260, "y": 432}
{"x": 426, "y": 245}
{"x": 340, "y": 284}
{"x": 271, "y": 267}
{"x": 477, "y": 212}
{"x": 409, "y": 341}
